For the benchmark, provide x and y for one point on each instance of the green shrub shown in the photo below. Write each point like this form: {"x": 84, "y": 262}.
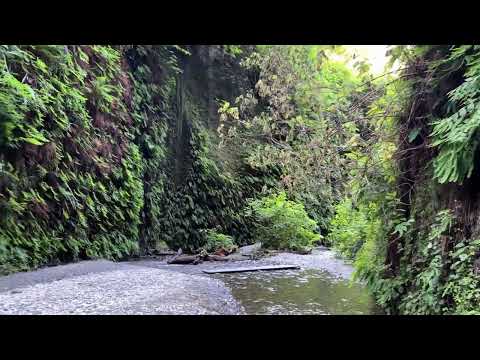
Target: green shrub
{"x": 352, "y": 227}
{"x": 217, "y": 241}
{"x": 284, "y": 224}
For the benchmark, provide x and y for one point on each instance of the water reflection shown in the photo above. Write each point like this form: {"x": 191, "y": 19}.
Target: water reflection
{"x": 298, "y": 292}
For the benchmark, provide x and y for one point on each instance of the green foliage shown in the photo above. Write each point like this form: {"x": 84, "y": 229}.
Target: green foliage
{"x": 437, "y": 272}
{"x": 405, "y": 53}
{"x": 287, "y": 126}
{"x": 186, "y": 187}
{"x": 104, "y": 148}
{"x": 207, "y": 198}
{"x": 218, "y": 241}
{"x": 462, "y": 283}
{"x": 153, "y": 109}
{"x": 352, "y": 227}
{"x": 371, "y": 217}
{"x": 456, "y": 135}
{"x": 16, "y": 99}
{"x": 424, "y": 295}
{"x": 233, "y": 50}
{"x": 284, "y": 224}
{"x": 305, "y": 107}
{"x": 71, "y": 177}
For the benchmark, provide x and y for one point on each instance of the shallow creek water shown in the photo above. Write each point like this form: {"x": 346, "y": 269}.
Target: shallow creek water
{"x": 322, "y": 285}
{"x": 306, "y": 292}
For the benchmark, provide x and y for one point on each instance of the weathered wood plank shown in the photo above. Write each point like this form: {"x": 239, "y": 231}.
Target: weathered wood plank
{"x": 256, "y": 268}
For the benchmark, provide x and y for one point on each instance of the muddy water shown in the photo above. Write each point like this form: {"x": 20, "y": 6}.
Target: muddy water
{"x": 321, "y": 286}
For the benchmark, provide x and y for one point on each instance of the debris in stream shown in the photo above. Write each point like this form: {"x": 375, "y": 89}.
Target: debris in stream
{"x": 196, "y": 259}
{"x": 243, "y": 253}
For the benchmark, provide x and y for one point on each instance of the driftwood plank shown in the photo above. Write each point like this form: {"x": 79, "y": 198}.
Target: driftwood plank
{"x": 256, "y": 268}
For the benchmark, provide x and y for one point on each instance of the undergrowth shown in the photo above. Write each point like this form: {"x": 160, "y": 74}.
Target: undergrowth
{"x": 284, "y": 224}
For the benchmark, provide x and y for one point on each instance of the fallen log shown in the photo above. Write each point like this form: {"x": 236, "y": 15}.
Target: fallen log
{"x": 257, "y": 268}
{"x": 185, "y": 259}
{"x": 195, "y": 259}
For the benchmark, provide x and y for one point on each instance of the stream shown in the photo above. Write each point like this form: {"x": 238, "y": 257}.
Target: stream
{"x": 298, "y": 292}
{"x": 321, "y": 286}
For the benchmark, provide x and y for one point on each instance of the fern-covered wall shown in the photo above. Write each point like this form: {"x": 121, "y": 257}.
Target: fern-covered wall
{"x": 186, "y": 187}
{"x": 107, "y": 151}
{"x": 71, "y": 184}
{"x": 433, "y": 266}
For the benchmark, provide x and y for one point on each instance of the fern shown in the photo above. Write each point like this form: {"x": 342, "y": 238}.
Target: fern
{"x": 456, "y": 135}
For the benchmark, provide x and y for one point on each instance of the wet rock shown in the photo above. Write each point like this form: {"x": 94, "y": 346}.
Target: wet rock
{"x": 250, "y": 250}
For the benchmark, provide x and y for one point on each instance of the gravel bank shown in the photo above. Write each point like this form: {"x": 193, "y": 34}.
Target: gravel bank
{"x": 110, "y": 288}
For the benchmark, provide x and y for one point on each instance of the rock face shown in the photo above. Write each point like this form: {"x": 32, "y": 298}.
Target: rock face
{"x": 207, "y": 76}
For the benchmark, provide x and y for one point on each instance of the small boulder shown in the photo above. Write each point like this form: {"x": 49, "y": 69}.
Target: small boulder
{"x": 250, "y": 249}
